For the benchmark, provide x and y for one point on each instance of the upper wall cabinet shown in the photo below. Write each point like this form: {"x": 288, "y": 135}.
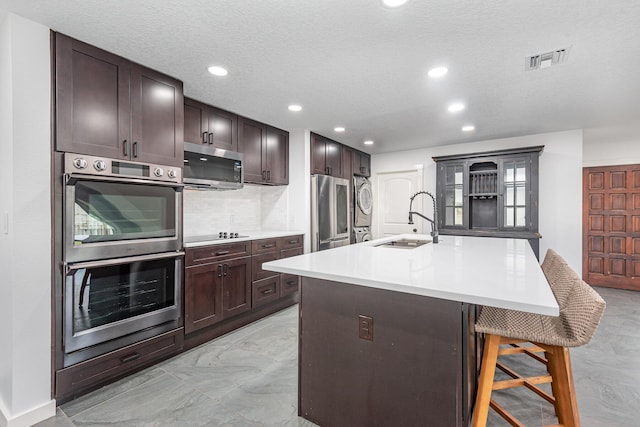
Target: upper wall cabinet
{"x": 204, "y": 124}
{"x": 326, "y": 156}
{"x": 329, "y": 157}
{"x": 266, "y": 152}
{"x": 108, "y": 106}
{"x": 361, "y": 163}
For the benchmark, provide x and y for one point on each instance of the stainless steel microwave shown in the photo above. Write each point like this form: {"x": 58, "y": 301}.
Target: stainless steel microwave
{"x": 206, "y": 167}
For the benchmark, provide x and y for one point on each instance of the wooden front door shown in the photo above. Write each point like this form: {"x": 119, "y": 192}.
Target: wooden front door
{"x": 611, "y": 226}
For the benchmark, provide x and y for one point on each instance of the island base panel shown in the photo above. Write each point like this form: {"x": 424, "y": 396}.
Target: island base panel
{"x": 410, "y": 373}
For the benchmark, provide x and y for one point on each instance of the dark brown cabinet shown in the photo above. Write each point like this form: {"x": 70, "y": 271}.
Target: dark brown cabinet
{"x": 266, "y": 152}
{"x": 269, "y": 285}
{"x": 490, "y": 194}
{"x": 108, "y": 106}
{"x": 347, "y": 162}
{"x": 326, "y": 156}
{"x": 265, "y": 290}
{"x": 361, "y": 163}
{"x": 217, "y": 284}
{"x": 205, "y": 124}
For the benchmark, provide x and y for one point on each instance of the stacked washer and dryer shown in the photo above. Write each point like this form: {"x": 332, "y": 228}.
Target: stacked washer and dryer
{"x": 363, "y": 206}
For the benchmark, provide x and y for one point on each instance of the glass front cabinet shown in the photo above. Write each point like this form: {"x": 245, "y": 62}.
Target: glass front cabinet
{"x": 490, "y": 194}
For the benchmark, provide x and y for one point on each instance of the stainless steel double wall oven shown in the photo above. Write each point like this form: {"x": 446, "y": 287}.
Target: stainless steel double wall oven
{"x": 122, "y": 232}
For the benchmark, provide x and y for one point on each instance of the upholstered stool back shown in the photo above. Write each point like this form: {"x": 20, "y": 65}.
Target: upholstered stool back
{"x": 581, "y": 309}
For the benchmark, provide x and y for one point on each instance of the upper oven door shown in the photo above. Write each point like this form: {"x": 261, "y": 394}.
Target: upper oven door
{"x": 114, "y": 218}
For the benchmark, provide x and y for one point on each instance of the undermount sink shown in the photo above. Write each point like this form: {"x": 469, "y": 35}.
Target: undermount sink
{"x": 404, "y": 243}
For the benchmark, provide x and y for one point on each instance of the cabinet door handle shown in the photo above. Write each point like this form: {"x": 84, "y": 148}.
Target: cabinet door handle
{"x": 270, "y": 245}
{"x": 204, "y": 137}
{"x": 220, "y": 270}
{"x": 267, "y": 291}
{"x": 221, "y": 253}
{"x": 292, "y": 282}
{"x": 129, "y": 357}
{"x": 225, "y": 269}
{"x": 124, "y": 148}
{"x": 135, "y": 149}
{"x": 210, "y": 137}
{"x": 268, "y": 175}
{"x": 293, "y": 241}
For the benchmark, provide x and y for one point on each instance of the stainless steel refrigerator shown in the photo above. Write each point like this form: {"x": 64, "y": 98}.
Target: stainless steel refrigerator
{"x": 330, "y": 210}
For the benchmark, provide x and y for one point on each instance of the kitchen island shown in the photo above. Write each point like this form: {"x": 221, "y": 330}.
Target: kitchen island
{"x": 386, "y": 331}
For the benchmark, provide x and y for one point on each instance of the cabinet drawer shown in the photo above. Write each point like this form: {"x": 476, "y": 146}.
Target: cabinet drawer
{"x": 257, "y": 273}
{"x": 289, "y": 284}
{"x": 290, "y": 242}
{"x": 265, "y": 290}
{"x": 286, "y": 253}
{"x": 93, "y": 372}
{"x": 264, "y": 246}
{"x": 214, "y": 253}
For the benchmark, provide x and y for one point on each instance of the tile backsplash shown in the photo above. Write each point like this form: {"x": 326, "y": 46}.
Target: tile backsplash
{"x": 252, "y": 208}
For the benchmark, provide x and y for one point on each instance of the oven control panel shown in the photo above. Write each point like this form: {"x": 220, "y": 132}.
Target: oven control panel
{"x": 100, "y": 166}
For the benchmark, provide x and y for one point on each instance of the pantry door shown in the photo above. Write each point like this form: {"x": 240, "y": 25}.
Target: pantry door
{"x": 611, "y": 226}
{"x": 393, "y": 191}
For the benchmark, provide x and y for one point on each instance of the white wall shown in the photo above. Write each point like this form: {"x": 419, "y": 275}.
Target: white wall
{"x": 614, "y": 145}
{"x": 25, "y": 393}
{"x": 6, "y": 206}
{"x": 560, "y": 183}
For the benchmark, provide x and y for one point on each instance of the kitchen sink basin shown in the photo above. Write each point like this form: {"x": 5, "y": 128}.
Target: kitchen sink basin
{"x": 404, "y": 243}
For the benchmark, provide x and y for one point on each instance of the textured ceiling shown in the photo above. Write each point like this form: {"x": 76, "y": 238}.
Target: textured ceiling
{"x": 356, "y": 64}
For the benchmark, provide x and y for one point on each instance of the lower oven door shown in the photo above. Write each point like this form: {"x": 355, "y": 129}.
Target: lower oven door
{"x": 110, "y": 299}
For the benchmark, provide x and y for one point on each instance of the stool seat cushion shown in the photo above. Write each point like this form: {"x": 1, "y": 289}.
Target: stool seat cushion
{"x": 581, "y": 309}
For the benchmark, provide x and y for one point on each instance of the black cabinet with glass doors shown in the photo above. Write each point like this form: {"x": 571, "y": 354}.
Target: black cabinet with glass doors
{"x": 491, "y": 193}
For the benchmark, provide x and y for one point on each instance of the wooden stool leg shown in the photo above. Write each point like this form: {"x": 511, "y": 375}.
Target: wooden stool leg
{"x": 562, "y": 384}
{"x": 485, "y": 381}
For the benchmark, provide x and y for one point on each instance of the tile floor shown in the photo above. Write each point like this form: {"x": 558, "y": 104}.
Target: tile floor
{"x": 249, "y": 378}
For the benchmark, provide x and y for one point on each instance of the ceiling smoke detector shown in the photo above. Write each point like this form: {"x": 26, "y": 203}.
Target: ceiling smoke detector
{"x": 545, "y": 60}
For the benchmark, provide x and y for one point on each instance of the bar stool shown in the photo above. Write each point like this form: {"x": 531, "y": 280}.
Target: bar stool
{"x": 581, "y": 309}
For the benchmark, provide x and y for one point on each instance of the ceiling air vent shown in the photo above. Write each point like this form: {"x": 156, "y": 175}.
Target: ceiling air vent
{"x": 545, "y": 60}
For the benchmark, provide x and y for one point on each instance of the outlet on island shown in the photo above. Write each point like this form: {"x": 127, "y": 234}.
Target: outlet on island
{"x": 365, "y": 327}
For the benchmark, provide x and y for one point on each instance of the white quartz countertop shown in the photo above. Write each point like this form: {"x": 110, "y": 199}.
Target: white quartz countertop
{"x": 206, "y": 240}
{"x": 497, "y": 272}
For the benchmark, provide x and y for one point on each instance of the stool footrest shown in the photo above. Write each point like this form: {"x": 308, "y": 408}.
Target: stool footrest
{"x": 505, "y": 414}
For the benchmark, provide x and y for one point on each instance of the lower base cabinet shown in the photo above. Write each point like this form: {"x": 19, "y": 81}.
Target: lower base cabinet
{"x": 216, "y": 291}
{"x": 83, "y": 377}
{"x": 265, "y": 291}
{"x": 226, "y": 280}
{"x": 289, "y": 284}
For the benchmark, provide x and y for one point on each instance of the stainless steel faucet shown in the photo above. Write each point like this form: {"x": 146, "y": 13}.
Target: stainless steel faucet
{"x": 434, "y": 221}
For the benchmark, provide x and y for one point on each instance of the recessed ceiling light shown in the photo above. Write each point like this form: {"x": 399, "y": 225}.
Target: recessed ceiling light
{"x": 468, "y": 128}
{"x": 368, "y": 142}
{"x": 339, "y": 129}
{"x": 218, "y": 71}
{"x": 437, "y": 72}
{"x": 455, "y": 107}
{"x": 294, "y": 107}
{"x": 393, "y": 3}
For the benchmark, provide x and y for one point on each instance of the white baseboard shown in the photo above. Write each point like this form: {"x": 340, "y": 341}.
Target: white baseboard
{"x": 30, "y": 417}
